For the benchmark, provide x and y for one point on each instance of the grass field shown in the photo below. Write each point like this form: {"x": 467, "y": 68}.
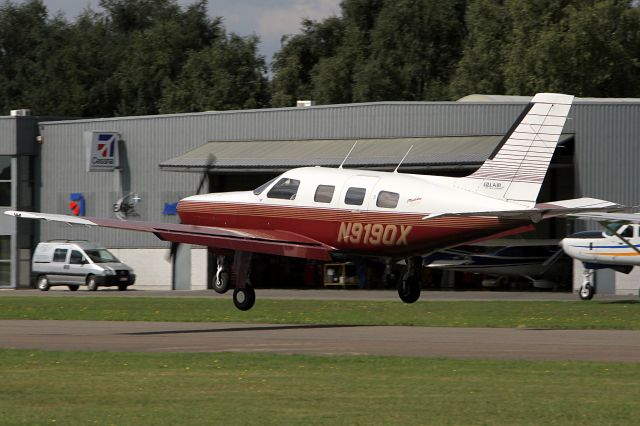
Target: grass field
{"x": 134, "y": 388}
{"x": 535, "y": 314}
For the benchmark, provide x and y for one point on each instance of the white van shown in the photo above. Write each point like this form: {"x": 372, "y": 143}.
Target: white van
{"x": 76, "y": 263}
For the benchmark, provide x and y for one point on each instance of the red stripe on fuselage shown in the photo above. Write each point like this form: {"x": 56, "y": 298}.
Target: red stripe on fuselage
{"x": 366, "y": 232}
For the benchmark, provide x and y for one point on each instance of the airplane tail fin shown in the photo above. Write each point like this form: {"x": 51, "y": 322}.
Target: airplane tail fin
{"x": 515, "y": 170}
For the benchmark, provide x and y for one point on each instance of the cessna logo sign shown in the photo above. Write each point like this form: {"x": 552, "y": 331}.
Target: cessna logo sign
{"x": 102, "y": 151}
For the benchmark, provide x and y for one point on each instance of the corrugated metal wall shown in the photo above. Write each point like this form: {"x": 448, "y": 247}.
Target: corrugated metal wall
{"x": 599, "y": 128}
{"x": 8, "y": 135}
{"x": 607, "y": 151}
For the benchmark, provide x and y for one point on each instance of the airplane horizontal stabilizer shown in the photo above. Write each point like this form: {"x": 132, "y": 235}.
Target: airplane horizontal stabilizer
{"x": 283, "y": 243}
{"x": 542, "y": 210}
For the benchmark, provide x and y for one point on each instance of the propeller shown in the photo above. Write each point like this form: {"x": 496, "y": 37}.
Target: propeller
{"x": 210, "y": 162}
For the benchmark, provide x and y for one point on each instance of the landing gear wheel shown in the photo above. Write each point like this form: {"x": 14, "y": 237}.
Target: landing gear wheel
{"x": 73, "y": 287}
{"x": 43, "y": 283}
{"x": 244, "y": 298}
{"x": 92, "y": 284}
{"x": 409, "y": 290}
{"x": 122, "y": 287}
{"x": 221, "y": 284}
{"x": 586, "y": 292}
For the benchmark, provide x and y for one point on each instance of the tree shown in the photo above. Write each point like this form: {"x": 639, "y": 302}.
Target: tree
{"x": 226, "y": 75}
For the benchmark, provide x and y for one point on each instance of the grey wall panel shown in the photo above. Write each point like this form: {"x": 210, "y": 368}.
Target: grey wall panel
{"x": 608, "y": 151}
{"x": 7, "y": 136}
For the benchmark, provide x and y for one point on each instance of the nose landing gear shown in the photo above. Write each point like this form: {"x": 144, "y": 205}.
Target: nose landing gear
{"x": 587, "y": 289}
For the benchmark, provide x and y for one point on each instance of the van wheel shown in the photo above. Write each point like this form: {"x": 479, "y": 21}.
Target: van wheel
{"x": 73, "y": 287}
{"x": 92, "y": 284}
{"x": 43, "y": 283}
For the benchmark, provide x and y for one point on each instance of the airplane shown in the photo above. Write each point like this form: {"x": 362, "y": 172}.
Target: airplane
{"x": 617, "y": 247}
{"x": 543, "y": 265}
{"x": 326, "y": 213}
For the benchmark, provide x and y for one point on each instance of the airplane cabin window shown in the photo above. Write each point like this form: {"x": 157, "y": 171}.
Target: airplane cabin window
{"x": 627, "y": 232}
{"x": 324, "y": 193}
{"x": 355, "y": 196}
{"x": 285, "y": 189}
{"x": 387, "y": 199}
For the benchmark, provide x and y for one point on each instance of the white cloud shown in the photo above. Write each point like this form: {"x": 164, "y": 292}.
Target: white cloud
{"x": 286, "y": 19}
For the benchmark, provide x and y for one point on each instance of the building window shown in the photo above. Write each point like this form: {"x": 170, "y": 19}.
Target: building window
{"x": 324, "y": 193}
{"x": 5, "y": 260}
{"x": 388, "y": 200}
{"x": 5, "y": 180}
{"x": 355, "y": 196}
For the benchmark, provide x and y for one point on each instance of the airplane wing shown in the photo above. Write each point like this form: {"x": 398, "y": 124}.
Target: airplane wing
{"x": 543, "y": 210}
{"x": 622, "y": 218}
{"x": 283, "y": 243}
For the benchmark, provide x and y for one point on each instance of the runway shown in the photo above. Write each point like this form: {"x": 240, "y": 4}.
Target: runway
{"x": 460, "y": 343}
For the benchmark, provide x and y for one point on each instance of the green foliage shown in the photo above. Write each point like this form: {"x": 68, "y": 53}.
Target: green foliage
{"x": 122, "y": 61}
{"x": 229, "y": 74}
{"x": 428, "y": 50}
{"x": 552, "y": 315}
{"x": 69, "y": 388}
{"x": 150, "y": 56}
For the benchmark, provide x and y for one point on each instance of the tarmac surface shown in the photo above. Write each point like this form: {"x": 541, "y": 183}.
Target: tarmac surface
{"x": 461, "y": 343}
{"x": 451, "y": 342}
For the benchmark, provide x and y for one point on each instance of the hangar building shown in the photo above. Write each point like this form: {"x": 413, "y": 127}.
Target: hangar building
{"x": 62, "y": 167}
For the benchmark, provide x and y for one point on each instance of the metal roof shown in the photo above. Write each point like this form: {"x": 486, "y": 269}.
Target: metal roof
{"x": 426, "y": 152}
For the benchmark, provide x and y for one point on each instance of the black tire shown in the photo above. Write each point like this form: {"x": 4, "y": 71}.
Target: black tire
{"x": 122, "y": 287}
{"x": 409, "y": 290}
{"x": 221, "y": 283}
{"x": 244, "y": 298}
{"x": 586, "y": 292}
{"x": 92, "y": 283}
{"x": 73, "y": 287}
{"x": 43, "y": 283}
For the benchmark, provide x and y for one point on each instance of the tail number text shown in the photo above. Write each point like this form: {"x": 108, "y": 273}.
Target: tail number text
{"x": 374, "y": 234}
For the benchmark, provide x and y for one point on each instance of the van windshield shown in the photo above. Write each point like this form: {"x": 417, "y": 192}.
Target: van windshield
{"x": 101, "y": 256}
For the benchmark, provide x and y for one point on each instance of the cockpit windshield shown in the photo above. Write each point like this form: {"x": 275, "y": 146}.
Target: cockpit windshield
{"x": 611, "y": 227}
{"x": 259, "y": 190}
{"x": 623, "y": 230}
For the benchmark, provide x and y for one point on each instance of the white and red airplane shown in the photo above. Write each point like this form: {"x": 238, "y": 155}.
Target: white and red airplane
{"x": 322, "y": 213}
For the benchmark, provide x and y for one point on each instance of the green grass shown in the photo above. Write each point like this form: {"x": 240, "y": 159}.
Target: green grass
{"x": 139, "y": 388}
{"x": 536, "y": 314}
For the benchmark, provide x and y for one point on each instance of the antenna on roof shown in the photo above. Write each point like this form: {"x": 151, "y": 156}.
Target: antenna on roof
{"x": 403, "y": 158}
{"x": 348, "y": 154}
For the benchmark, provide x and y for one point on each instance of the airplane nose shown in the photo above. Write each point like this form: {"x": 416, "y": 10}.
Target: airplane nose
{"x": 562, "y": 243}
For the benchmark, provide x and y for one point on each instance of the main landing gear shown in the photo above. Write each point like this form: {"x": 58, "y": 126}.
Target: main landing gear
{"x": 587, "y": 289}
{"x": 410, "y": 284}
{"x": 244, "y": 296}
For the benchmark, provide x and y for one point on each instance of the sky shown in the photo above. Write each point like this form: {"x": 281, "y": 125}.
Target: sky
{"x": 269, "y": 19}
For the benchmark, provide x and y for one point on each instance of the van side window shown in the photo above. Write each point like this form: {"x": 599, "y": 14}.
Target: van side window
{"x": 285, "y": 189}
{"x": 59, "y": 255}
{"x": 388, "y": 200}
{"x": 355, "y": 196}
{"x": 76, "y": 257}
{"x": 324, "y": 193}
